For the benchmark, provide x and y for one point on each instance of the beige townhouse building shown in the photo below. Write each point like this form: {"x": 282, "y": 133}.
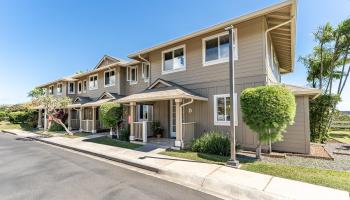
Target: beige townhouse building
{"x": 184, "y": 83}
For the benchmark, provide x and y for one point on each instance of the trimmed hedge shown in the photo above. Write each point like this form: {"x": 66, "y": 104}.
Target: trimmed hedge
{"x": 212, "y": 143}
{"x": 3, "y": 115}
{"x": 18, "y": 117}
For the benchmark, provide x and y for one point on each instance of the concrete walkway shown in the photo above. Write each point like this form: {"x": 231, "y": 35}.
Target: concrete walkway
{"x": 222, "y": 181}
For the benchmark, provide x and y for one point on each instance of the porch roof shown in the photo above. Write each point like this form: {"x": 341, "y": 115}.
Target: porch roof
{"x": 300, "y": 90}
{"x": 164, "y": 93}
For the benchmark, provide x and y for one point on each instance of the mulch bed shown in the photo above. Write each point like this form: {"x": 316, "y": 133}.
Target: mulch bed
{"x": 316, "y": 151}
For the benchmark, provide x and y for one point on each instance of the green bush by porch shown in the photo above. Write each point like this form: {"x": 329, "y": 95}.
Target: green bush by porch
{"x": 212, "y": 143}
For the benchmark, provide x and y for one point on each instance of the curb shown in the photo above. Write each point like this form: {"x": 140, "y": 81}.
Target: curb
{"x": 224, "y": 190}
{"x": 131, "y": 163}
{"x": 127, "y": 162}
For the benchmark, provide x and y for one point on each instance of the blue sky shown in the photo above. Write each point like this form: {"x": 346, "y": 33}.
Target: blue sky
{"x": 43, "y": 40}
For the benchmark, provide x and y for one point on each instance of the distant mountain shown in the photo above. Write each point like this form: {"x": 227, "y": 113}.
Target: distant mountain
{"x": 346, "y": 112}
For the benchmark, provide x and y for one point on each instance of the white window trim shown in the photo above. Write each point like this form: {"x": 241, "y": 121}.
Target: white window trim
{"x": 132, "y": 82}
{"x": 52, "y": 91}
{"x": 85, "y": 89}
{"x": 225, "y": 123}
{"x": 174, "y": 70}
{"x": 146, "y": 79}
{"x": 80, "y": 82}
{"x": 59, "y": 93}
{"x": 96, "y": 87}
{"x": 69, "y": 92}
{"x": 104, "y": 78}
{"x": 220, "y": 60}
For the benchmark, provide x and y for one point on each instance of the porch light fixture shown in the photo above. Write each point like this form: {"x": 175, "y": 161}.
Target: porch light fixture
{"x": 233, "y": 162}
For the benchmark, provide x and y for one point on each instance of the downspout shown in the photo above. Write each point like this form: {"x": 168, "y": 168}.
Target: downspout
{"x": 149, "y": 64}
{"x": 181, "y": 108}
{"x": 266, "y": 39}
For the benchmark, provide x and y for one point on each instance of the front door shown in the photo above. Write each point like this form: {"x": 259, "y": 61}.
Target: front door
{"x": 172, "y": 119}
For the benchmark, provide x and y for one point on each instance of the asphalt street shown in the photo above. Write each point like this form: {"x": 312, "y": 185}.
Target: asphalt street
{"x": 32, "y": 170}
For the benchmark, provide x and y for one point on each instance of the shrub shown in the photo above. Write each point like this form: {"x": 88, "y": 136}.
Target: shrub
{"x": 124, "y": 134}
{"x": 111, "y": 114}
{"x": 3, "y": 115}
{"x": 268, "y": 110}
{"x": 320, "y": 112}
{"x": 212, "y": 143}
{"x": 56, "y": 127}
{"x": 18, "y": 117}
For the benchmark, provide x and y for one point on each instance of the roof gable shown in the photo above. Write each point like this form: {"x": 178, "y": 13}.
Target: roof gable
{"x": 106, "y": 60}
{"x": 160, "y": 83}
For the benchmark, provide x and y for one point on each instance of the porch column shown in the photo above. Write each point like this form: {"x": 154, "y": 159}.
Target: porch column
{"x": 69, "y": 119}
{"x": 81, "y": 119}
{"x": 39, "y": 118}
{"x": 45, "y": 120}
{"x": 178, "y": 141}
{"x": 132, "y": 119}
{"x": 93, "y": 120}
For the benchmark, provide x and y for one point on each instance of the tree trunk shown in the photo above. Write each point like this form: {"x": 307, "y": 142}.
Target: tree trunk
{"x": 111, "y": 131}
{"x": 321, "y": 70}
{"x": 270, "y": 146}
{"x": 58, "y": 121}
{"x": 258, "y": 150}
{"x": 117, "y": 132}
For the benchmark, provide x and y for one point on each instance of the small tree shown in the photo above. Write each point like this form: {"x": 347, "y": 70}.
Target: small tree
{"x": 268, "y": 110}
{"x": 52, "y": 105}
{"x": 111, "y": 116}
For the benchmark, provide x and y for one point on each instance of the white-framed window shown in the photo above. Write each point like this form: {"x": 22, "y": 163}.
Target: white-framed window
{"x": 84, "y": 86}
{"x": 71, "y": 88}
{"x": 80, "y": 87}
{"x": 174, "y": 60}
{"x": 144, "y": 113}
{"x": 131, "y": 74}
{"x": 93, "y": 82}
{"x": 109, "y": 79}
{"x": 59, "y": 88}
{"x": 222, "y": 104}
{"x": 145, "y": 71}
{"x": 51, "y": 89}
{"x": 216, "y": 48}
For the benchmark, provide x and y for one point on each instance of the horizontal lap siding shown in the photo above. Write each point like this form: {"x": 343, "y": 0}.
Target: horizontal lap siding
{"x": 250, "y": 58}
{"x": 297, "y": 137}
{"x": 135, "y": 88}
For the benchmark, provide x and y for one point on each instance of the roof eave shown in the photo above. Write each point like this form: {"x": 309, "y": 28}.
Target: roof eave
{"x": 214, "y": 27}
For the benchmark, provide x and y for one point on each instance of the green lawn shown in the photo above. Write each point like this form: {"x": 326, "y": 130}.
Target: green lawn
{"x": 112, "y": 142}
{"x": 341, "y": 136}
{"x": 328, "y": 178}
{"x": 7, "y": 125}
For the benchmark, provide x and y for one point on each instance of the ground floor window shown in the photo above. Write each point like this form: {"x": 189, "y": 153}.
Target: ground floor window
{"x": 144, "y": 112}
{"x": 222, "y": 109}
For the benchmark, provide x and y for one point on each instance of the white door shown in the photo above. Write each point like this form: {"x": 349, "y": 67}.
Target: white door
{"x": 172, "y": 119}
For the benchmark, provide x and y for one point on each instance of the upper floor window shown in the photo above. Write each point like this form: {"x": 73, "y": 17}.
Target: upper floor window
{"x": 84, "y": 86}
{"x": 59, "y": 88}
{"x": 71, "y": 88}
{"x": 145, "y": 71}
{"x": 93, "y": 84}
{"x": 51, "y": 90}
{"x": 80, "y": 87}
{"x": 131, "y": 74}
{"x": 216, "y": 48}
{"x": 174, "y": 60}
{"x": 222, "y": 109}
{"x": 109, "y": 78}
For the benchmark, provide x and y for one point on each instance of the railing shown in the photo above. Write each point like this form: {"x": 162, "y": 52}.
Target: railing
{"x": 142, "y": 130}
{"x": 75, "y": 124}
{"x": 340, "y": 125}
{"x": 188, "y": 130}
{"x": 86, "y": 125}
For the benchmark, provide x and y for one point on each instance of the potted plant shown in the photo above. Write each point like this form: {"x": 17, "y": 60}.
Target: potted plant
{"x": 157, "y": 129}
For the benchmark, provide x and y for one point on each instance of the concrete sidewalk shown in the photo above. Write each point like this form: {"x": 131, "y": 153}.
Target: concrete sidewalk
{"x": 222, "y": 181}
